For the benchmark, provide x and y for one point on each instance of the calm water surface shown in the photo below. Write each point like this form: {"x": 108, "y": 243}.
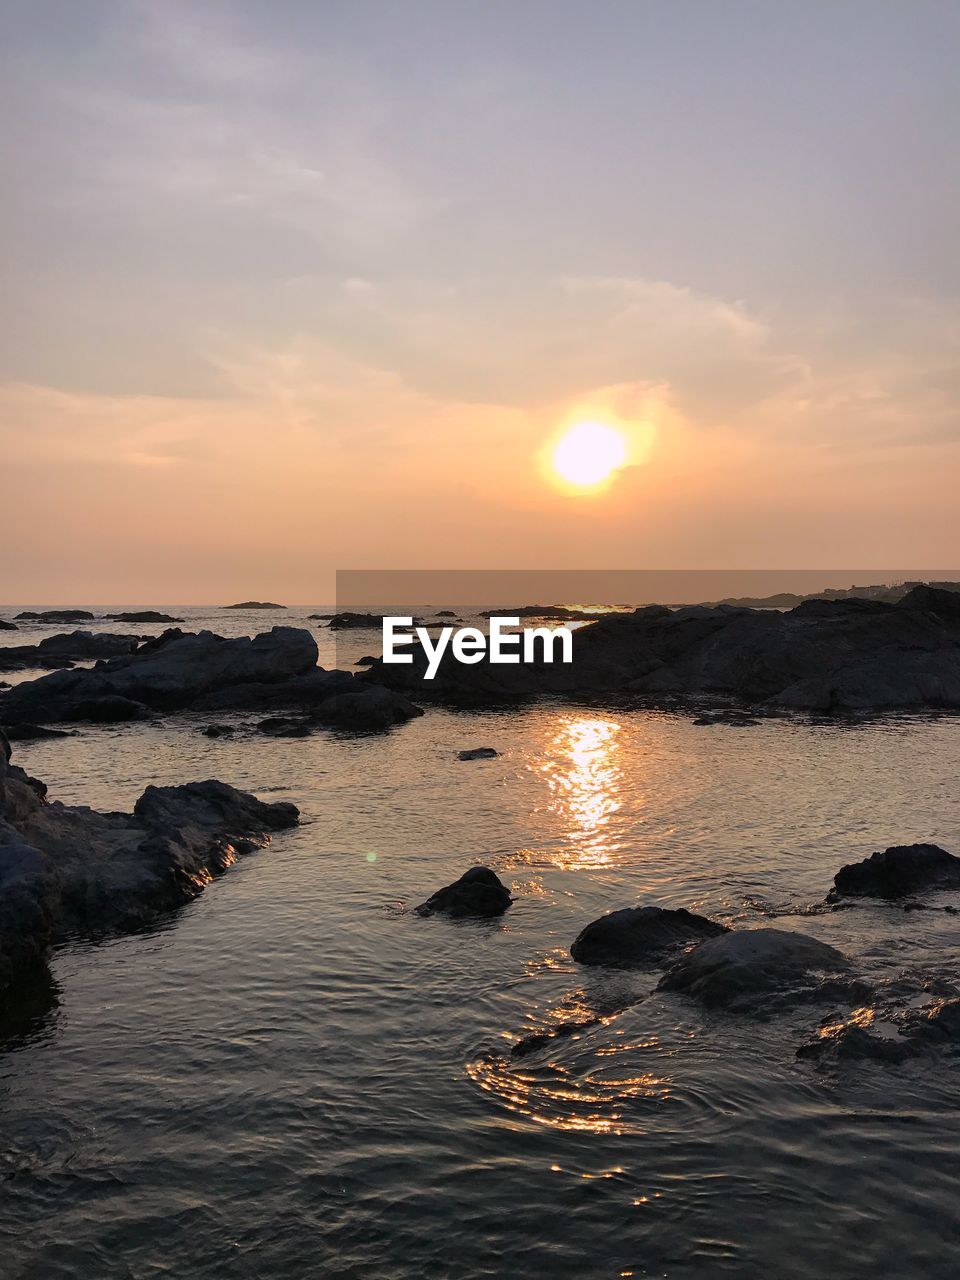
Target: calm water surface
{"x": 295, "y": 1076}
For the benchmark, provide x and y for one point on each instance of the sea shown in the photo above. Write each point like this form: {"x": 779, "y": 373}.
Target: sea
{"x": 297, "y": 1076}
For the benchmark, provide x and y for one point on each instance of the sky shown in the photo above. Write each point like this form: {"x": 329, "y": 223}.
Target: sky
{"x": 301, "y": 286}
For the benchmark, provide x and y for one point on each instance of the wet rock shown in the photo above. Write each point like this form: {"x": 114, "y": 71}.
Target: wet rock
{"x": 478, "y": 753}
{"x": 743, "y": 966}
{"x": 738, "y": 719}
{"x": 7, "y": 626}
{"x": 67, "y": 871}
{"x": 898, "y": 872}
{"x": 284, "y": 727}
{"x": 851, "y": 1043}
{"x": 641, "y": 935}
{"x": 365, "y": 709}
{"x": 218, "y": 730}
{"x": 478, "y": 892}
{"x": 33, "y": 732}
{"x": 938, "y": 1025}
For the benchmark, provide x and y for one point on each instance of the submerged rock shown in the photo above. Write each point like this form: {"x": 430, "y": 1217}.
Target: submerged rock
{"x": 739, "y": 967}
{"x": 67, "y": 871}
{"x": 850, "y": 1042}
{"x": 478, "y": 753}
{"x": 639, "y": 935}
{"x": 478, "y": 892}
{"x": 737, "y": 719}
{"x": 898, "y": 872}
{"x": 218, "y": 730}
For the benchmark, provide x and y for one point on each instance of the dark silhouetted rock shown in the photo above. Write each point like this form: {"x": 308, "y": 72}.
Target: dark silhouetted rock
{"x": 478, "y": 892}
{"x": 898, "y": 872}
{"x": 284, "y": 727}
{"x": 68, "y": 872}
{"x": 62, "y": 651}
{"x": 445, "y": 613}
{"x": 746, "y": 964}
{"x": 736, "y": 719}
{"x": 478, "y": 753}
{"x": 850, "y": 1043}
{"x": 366, "y": 661}
{"x": 823, "y": 657}
{"x": 33, "y": 732}
{"x": 640, "y": 935}
{"x": 7, "y": 626}
{"x": 218, "y": 730}
{"x": 939, "y": 1025}
{"x": 58, "y": 615}
{"x": 255, "y": 604}
{"x": 144, "y": 615}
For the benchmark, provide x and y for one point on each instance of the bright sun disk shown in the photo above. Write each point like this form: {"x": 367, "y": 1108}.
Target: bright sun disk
{"x": 588, "y": 454}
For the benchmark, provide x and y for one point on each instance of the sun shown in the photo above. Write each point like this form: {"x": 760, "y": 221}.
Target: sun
{"x": 588, "y": 454}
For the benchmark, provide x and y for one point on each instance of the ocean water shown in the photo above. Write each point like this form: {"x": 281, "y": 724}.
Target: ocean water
{"x": 296, "y": 1076}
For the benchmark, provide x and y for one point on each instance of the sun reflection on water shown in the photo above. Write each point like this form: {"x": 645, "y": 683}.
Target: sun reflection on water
{"x": 585, "y": 780}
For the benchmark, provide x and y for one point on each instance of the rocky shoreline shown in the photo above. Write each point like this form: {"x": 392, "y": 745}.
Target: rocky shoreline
{"x": 824, "y": 656}
{"x": 202, "y": 672}
{"x": 68, "y": 871}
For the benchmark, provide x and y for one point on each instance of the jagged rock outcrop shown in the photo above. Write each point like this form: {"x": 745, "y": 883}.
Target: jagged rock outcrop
{"x": 177, "y": 671}
{"x": 479, "y": 892}
{"x": 68, "y": 871}
{"x": 61, "y": 651}
{"x": 641, "y": 935}
{"x": 898, "y": 872}
{"x": 740, "y": 969}
{"x": 825, "y": 656}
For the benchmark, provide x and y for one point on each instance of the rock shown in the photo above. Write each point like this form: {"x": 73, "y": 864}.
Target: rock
{"x": 478, "y": 892}
{"x": 938, "y": 1025}
{"x": 72, "y": 872}
{"x": 284, "y": 727}
{"x": 823, "y": 657}
{"x": 7, "y": 626}
{"x": 640, "y": 935}
{"x": 365, "y": 709}
{"x": 349, "y": 621}
{"x": 58, "y": 615}
{"x": 63, "y": 650}
{"x": 367, "y": 661}
{"x": 849, "y": 1042}
{"x": 898, "y": 872}
{"x": 549, "y": 612}
{"x": 32, "y": 732}
{"x": 736, "y": 969}
{"x": 445, "y": 613}
{"x": 478, "y": 753}
{"x": 166, "y": 674}
{"x": 218, "y": 730}
{"x": 738, "y": 719}
{"x": 144, "y": 615}
{"x": 255, "y": 604}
